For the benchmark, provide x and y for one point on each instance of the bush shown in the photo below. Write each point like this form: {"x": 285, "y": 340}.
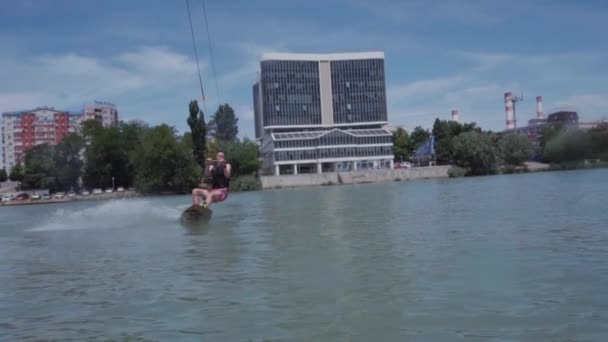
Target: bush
{"x": 245, "y": 183}
{"x": 568, "y": 146}
{"x": 515, "y": 149}
{"x": 455, "y": 172}
{"x": 475, "y": 152}
{"x": 509, "y": 169}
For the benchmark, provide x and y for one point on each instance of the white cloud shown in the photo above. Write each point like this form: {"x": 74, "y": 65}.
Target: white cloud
{"x": 244, "y": 112}
{"x": 158, "y": 60}
{"x": 423, "y": 88}
{"x": 588, "y": 105}
{"x": 70, "y": 79}
{"x": 477, "y": 92}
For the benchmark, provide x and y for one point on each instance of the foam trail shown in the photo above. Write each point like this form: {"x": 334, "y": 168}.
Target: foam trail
{"x": 110, "y": 214}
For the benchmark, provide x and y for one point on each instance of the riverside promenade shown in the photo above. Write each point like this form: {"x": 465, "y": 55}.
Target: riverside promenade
{"x": 92, "y": 197}
{"x": 354, "y": 177}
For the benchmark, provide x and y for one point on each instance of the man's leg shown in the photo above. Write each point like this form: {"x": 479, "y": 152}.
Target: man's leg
{"x": 196, "y": 193}
{"x": 219, "y": 195}
{"x": 212, "y": 196}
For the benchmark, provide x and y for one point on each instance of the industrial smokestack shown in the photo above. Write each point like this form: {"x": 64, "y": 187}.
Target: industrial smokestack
{"x": 510, "y": 110}
{"x": 455, "y": 115}
{"x": 540, "y": 114}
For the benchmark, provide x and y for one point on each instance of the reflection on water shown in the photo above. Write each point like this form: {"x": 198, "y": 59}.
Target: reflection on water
{"x": 514, "y": 257}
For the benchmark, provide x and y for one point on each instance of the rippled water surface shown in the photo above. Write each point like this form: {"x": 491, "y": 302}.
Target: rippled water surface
{"x": 521, "y": 257}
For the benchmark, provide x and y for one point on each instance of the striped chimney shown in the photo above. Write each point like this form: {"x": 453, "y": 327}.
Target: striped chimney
{"x": 510, "y": 110}
{"x": 455, "y": 115}
{"x": 540, "y": 114}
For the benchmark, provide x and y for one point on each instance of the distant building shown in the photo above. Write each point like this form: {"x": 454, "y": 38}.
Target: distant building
{"x": 563, "y": 117}
{"x": 322, "y": 113}
{"x": 104, "y": 112}
{"x": 22, "y": 130}
{"x": 535, "y": 126}
{"x": 2, "y": 166}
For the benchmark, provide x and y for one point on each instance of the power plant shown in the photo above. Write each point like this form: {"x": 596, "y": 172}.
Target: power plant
{"x": 455, "y": 115}
{"x": 510, "y": 101}
{"x": 539, "y": 108}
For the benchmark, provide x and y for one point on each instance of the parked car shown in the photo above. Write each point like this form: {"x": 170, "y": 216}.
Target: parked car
{"x": 85, "y": 193}
{"x": 109, "y": 190}
{"x": 97, "y": 191}
{"x": 71, "y": 194}
{"x": 22, "y": 196}
{"x": 403, "y": 165}
{"x": 46, "y": 197}
{"x": 36, "y": 196}
{"x": 120, "y": 189}
{"x": 59, "y": 195}
{"x": 6, "y": 198}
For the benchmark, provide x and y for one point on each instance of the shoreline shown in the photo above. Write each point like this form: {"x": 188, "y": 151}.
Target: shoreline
{"x": 96, "y": 197}
{"x": 354, "y": 177}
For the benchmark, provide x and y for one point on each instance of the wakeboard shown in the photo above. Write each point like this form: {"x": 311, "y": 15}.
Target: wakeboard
{"x": 196, "y": 215}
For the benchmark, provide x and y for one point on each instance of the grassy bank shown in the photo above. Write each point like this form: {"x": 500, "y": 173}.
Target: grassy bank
{"x": 456, "y": 171}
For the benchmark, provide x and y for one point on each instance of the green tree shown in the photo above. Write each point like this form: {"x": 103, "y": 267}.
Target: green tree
{"x": 515, "y": 149}
{"x": 444, "y": 132}
{"x": 131, "y": 135}
{"x": 418, "y": 137}
{"x": 224, "y": 124}
{"x": 163, "y": 163}
{"x": 17, "y": 173}
{"x": 68, "y": 161}
{"x": 106, "y": 157}
{"x": 475, "y": 152}
{"x": 401, "y": 144}
{"x": 90, "y": 128}
{"x": 40, "y": 169}
{"x": 198, "y": 133}
{"x": 599, "y": 142}
{"x": 549, "y": 132}
{"x": 3, "y": 175}
{"x": 242, "y": 155}
{"x": 568, "y": 145}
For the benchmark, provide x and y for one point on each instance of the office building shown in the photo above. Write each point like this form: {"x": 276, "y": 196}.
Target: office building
{"x": 322, "y": 113}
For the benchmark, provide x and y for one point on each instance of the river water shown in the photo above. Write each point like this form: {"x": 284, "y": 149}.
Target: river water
{"x": 521, "y": 257}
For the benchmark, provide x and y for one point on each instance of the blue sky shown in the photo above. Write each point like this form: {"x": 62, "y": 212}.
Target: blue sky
{"x": 440, "y": 55}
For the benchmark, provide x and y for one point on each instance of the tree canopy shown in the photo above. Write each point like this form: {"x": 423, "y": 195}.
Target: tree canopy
{"x": 16, "y": 174}
{"x": 198, "y": 133}
{"x": 475, "y": 152}
{"x": 224, "y": 124}
{"x": 515, "y": 149}
{"x": 401, "y": 144}
{"x": 164, "y": 163}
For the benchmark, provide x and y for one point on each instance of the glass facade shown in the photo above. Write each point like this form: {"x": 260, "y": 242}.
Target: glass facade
{"x": 341, "y": 125}
{"x": 333, "y": 139}
{"x": 358, "y": 91}
{"x": 333, "y": 153}
{"x": 256, "y": 110}
{"x": 291, "y": 93}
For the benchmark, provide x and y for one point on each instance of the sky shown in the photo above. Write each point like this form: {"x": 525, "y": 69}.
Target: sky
{"x": 439, "y": 55}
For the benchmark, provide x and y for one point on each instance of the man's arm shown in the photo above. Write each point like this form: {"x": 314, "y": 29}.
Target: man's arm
{"x": 227, "y": 170}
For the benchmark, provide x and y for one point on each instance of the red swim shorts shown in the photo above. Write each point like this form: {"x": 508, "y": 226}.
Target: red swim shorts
{"x": 219, "y": 195}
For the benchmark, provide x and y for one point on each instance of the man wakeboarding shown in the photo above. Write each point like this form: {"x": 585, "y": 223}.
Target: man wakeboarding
{"x": 220, "y": 171}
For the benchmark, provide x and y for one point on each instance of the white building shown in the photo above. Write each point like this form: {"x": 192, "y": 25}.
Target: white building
{"x": 21, "y": 130}
{"x": 104, "y": 112}
{"x": 2, "y": 150}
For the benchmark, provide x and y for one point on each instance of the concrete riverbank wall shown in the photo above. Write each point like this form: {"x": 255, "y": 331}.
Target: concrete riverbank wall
{"x": 354, "y": 177}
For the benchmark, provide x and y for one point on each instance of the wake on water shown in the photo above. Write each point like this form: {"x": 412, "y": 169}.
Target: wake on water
{"x": 111, "y": 214}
